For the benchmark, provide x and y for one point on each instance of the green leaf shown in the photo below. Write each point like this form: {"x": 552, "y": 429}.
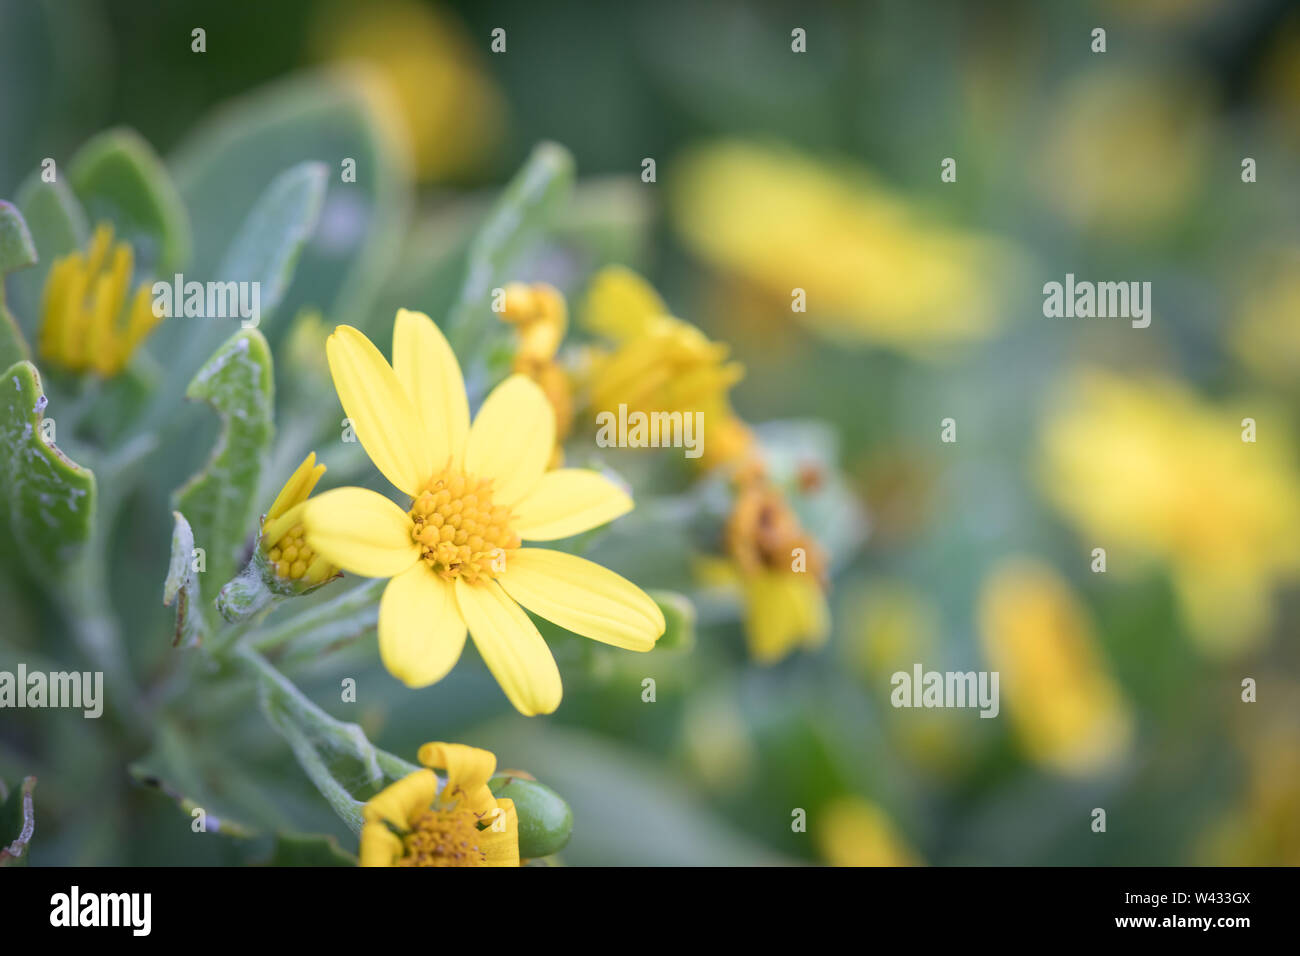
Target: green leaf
{"x": 628, "y": 808}
{"x": 309, "y": 849}
{"x": 16, "y": 251}
{"x": 58, "y": 225}
{"x": 265, "y": 251}
{"x": 220, "y": 501}
{"x": 320, "y": 628}
{"x": 119, "y": 178}
{"x": 530, "y": 199}
{"x": 328, "y": 115}
{"x": 55, "y": 216}
{"x": 271, "y": 238}
{"x": 345, "y": 767}
{"x": 182, "y": 586}
{"x": 545, "y": 820}
{"x": 51, "y": 499}
{"x": 173, "y": 767}
{"x": 17, "y": 824}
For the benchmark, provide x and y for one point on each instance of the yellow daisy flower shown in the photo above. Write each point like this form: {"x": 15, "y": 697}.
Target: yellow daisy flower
{"x": 414, "y": 823}
{"x": 454, "y": 555}
{"x": 282, "y": 530}
{"x": 82, "y": 323}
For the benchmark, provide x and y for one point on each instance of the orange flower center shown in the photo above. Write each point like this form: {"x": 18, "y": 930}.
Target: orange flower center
{"x": 459, "y": 531}
{"x": 443, "y": 838}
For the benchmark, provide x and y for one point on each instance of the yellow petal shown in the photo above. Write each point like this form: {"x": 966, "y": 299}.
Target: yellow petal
{"x": 583, "y": 597}
{"x": 468, "y": 771}
{"x": 421, "y": 633}
{"x": 500, "y": 841}
{"x": 400, "y": 802}
{"x": 512, "y": 439}
{"x": 297, "y": 488}
{"x": 511, "y": 647}
{"x": 384, "y": 419}
{"x": 783, "y": 610}
{"x": 360, "y": 531}
{"x": 276, "y": 528}
{"x": 428, "y": 370}
{"x": 141, "y": 319}
{"x": 620, "y": 304}
{"x": 379, "y": 845}
{"x": 568, "y": 501}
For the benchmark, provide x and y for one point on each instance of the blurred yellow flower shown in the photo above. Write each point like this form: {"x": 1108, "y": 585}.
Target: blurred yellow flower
{"x": 1067, "y": 711}
{"x": 780, "y": 567}
{"x": 414, "y": 823}
{"x": 1264, "y": 828}
{"x": 854, "y": 832}
{"x": 1279, "y": 76}
{"x": 872, "y": 270}
{"x": 892, "y": 626}
{"x": 540, "y": 317}
{"x": 304, "y": 344}
{"x": 1164, "y": 12}
{"x": 454, "y": 112}
{"x": 895, "y": 626}
{"x": 1266, "y": 334}
{"x": 1124, "y": 150}
{"x": 1149, "y": 467}
{"x": 282, "y": 531}
{"x": 658, "y": 363}
{"x": 716, "y": 743}
{"x": 86, "y": 322}
{"x": 454, "y": 555}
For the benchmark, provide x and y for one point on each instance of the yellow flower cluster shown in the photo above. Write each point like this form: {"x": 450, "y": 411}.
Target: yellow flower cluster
{"x": 87, "y": 324}
{"x": 540, "y": 317}
{"x": 660, "y": 363}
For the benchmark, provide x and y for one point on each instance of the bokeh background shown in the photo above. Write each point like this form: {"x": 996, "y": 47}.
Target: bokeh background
{"x": 778, "y": 170}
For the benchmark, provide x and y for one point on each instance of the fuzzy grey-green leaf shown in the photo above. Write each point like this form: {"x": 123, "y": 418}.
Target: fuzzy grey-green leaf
{"x": 50, "y": 498}
{"x": 182, "y": 586}
{"x": 17, "y": 824}
{"x": 531, "y": 197}
{"x": 220, "y": 501}
{"x": 16, "y": 252}
{"x": 119, "y": 178}
{"x": 58, "y": 226}
{"x": 270, "y": 240}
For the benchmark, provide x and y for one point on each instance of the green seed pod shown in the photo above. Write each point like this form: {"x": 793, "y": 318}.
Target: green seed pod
{"x": 545, "y": 820}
